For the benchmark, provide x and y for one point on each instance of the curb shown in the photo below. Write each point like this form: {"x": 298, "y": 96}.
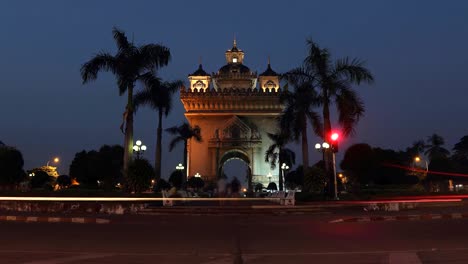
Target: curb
{"x": 400, "y": 218}
{"x": 45, "y": 219}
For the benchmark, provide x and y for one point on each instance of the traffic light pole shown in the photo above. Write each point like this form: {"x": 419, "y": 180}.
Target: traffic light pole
{"x": 334, "y": 176}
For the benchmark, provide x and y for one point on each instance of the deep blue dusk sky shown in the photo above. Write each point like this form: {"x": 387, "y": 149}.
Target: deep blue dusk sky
{"x": 417, "y": 50}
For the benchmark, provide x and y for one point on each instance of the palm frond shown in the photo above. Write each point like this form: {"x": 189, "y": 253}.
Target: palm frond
{"x": 154, "y": 56}
{"x": 142, "y": 98}
{"x": 121, "y": 39}
{"x": 353, "y": 69}
{"x": 316, "y": 121}
{"x": 350, "y": 109}
{"x": 102, "y": 61}
{"x": 196, "y": 130}
{"x": 175, "y": 141}
{"x": 173, "y": 130}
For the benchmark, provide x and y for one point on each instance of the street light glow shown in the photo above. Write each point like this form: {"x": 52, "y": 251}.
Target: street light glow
{"x": 318, "y": 146}
{"x": 334, "y": 136}
{"x": 417, "y": 159}
{"x": 138, "y": 142}
{"x": 325, "y": 145}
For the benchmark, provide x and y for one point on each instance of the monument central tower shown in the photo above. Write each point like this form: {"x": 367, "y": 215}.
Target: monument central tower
{"x": 234, "y": 116}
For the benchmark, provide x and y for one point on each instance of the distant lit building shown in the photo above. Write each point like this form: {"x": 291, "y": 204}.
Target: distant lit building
{"x": 50, "y": 170}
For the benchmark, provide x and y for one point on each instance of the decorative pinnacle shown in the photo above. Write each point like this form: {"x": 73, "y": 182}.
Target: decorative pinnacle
{"x": 235, "y": 43}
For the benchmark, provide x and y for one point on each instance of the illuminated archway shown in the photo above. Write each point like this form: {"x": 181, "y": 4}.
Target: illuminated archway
{"x": 236, "y": 154}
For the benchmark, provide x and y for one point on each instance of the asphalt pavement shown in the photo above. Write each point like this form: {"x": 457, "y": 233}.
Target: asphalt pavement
{"x": 222, "y": 239}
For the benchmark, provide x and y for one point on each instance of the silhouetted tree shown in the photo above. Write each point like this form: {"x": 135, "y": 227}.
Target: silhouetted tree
{"x": 104, "y": 165}
{"x": 272, "y": 186}
{"x": 140, "y": 173}
{"x": 11, "y": 166}
{"x": 277, "y": 152}
{"x": 333, "y": 82}
{"x": 176, "y": 178}
{"x": 298, "y": 108}
{"x": 359, "y": 164}
{"x": 258, "y": 187}
{"x": 157, "y": 95}
{"x": 161, "y": 184}
{"x": 64, "y": 181}
{"x": 195, "y": 182}
{"x": 40, "y": 179}
{"x": 461, "y": 149}
{"x": 184, "y": 133}
{"x": 128, "y": 65}
{"x": 435, "y": 149}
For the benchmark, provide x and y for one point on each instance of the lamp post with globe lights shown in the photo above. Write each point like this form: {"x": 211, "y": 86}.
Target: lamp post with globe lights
{"x": 333, "y": 146}
{"x": 180, "y": 168}
{"x": 139, "y": 149}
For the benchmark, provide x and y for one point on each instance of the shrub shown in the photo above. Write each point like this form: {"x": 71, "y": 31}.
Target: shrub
{"x": 40, "y": 179}
{"x": 176, "y": 179}
{"x": 258, "y": 187}
{"x": 161, "y": 184}
{"x": 272, "y": 186}
{"x": 140, "y": 173}
{"x": 195, "y": 182}
{"x": 64, "y": 181}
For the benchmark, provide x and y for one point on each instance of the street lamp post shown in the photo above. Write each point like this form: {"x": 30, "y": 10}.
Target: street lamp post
{"x": 55, "y": 160}
{"x": 139, "y": 149}
{"x": 269, "y": 177}
{"x": 325, "y": 146}
{"x": 417, "y": 159}
{"x": 284, "y": 167}
{"x": 180, "y": 168}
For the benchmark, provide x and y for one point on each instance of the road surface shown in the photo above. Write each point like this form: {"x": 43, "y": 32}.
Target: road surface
{"x": 235, "y": 239}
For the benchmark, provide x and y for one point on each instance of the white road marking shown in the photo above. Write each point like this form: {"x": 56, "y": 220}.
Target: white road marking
{"x": 78, "y": 220}
{"x": 404, "y": 258}
{"x": 70, "y": 259}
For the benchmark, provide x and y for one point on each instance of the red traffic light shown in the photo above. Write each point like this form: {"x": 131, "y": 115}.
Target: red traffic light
{"x": 334, "y": 136}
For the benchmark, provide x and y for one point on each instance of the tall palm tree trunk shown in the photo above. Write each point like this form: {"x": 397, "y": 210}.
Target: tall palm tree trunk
{"x": 305, "y": 145}
{"x": 158, "y": 155}
{"x": 328, "y": 153}
{"x": 184, "y": 179}
{"x": 280, "y": 181}
{"x": 128, "y": 144}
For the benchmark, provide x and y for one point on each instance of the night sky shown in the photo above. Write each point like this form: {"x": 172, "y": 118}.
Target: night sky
{"x": 417, "y": 50}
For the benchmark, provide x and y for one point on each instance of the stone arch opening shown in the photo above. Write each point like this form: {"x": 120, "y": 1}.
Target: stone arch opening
{"x": 237, "y": 156}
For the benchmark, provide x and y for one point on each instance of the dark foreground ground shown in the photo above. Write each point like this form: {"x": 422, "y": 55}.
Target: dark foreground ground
{"x": 235, "y": 239}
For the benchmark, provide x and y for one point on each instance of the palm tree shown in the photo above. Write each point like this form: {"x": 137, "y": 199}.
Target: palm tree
{"x": 298, "y": 109}
{"x": 157, "y": 95}
{"x": 333, "y": 81}
{"x": 416, "y": 149}
{"x": 184, "y": 133}
{"x": 435, "y": 149}
{"x": 128, "y": 65}
{"x": 461, "y": 149}
{"x": 278, "y": 152}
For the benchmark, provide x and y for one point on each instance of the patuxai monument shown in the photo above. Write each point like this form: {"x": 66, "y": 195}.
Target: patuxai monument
{"x": 235, "y": 108}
